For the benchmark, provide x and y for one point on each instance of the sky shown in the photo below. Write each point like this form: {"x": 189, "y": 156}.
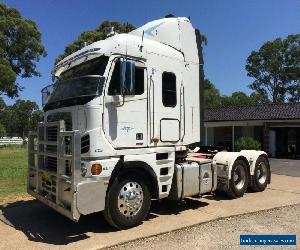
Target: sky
{"x": 234, "y": 28}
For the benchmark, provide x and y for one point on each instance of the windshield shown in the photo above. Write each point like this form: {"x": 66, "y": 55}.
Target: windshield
{"x": 74, "y": 91}
{"x": 77, "y": 85}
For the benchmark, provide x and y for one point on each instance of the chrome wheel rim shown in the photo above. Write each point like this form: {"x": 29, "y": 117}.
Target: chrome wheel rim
{"x": 130, "y": 199}
{"x": 261, "y": 173}
{"x": 239, "y": 177}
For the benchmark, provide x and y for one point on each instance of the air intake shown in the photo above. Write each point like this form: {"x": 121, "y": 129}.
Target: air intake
{"x": 85, "y": 144}
{"x": 169, "y": 16}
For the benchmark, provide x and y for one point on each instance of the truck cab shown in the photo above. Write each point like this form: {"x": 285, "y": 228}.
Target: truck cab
{"x": 117, "y": 125}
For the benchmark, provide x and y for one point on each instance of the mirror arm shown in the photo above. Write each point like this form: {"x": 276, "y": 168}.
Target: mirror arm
{"x": 123, "y": 102}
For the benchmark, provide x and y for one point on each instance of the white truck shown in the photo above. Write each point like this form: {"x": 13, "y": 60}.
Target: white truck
{"x": 118, "y": 122}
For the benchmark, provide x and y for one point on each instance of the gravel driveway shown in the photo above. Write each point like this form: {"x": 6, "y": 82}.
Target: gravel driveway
{"x": 285, "y": 167}
{"x": 225, "y": 233}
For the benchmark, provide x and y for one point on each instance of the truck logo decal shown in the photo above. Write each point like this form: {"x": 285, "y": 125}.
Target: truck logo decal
{"x": 151, "y": 29}
{"x": 127, "y": 129}
{"x": 98, "y": 150}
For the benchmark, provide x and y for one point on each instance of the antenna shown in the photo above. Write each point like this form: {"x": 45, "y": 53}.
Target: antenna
{"x": 126, "y": 46}
{"x": 141, "y": 47}
{"x": 110, "y": 31}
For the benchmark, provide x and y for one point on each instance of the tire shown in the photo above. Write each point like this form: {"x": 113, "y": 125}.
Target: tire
{"x": 127, "y": 202}
{"x": 261, "y": 175}
{"x": 239, "y": 180}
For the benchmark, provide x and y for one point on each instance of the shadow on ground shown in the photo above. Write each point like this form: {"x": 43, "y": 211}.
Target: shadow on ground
{"x": 42, "y": 224}
{"x": 218, "y": 196}
{"x": 221, "y": 196}
{"x": 167, "y": 207}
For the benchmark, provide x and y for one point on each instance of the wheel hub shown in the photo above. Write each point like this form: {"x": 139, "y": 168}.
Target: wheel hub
{"x": 239, "y": 177}
{"x": 130, "y": 199}
{"x": 261, "y": 173}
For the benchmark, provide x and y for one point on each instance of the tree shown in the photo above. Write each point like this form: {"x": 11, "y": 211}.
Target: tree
{"x": 259, "y": 98}
{"x": 236, "y": 98}
{"x": 36, "y": 117}
{"x": 94, "y": 36}
{"x": 294, "y": 93}
{"x": 240, "y": 98}
{"x": 213, "y": 99}
{"x": 21, "y": 117}
{"x": 20, "y": 49}
{"x": 276, "y": 67}
{"x": 23, "y": 111}
{"x": 2, "y": 130}
{"x": 212, "y": 96}
{"x": 2, "y": 104}
{"x": 8, "y": 120}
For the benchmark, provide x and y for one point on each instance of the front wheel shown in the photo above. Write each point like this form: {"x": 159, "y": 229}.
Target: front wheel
{"x": 127, "y": 203}
{"x": 239, "y": 179}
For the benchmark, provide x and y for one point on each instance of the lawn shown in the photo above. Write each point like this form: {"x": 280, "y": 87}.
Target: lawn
{"x": 13, "y": 172}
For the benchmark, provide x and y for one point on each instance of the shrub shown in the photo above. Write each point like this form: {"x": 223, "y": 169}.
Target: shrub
{"x": 247, "y": 143}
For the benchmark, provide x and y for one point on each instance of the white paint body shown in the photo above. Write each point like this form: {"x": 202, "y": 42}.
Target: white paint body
{"x": 113, "y": 127}
{"x": 113, "y": 122}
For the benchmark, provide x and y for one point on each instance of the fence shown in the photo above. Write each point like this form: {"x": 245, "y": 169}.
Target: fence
{"x": 11, "y": 140}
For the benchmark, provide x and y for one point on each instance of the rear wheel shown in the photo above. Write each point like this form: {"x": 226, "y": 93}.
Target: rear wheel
{"x": 261, "y": 174}
{"x": 239, "y": 179}
{"x": 128, "y": 202}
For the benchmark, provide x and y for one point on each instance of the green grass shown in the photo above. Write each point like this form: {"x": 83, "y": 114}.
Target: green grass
{"x": 13, "y": 171}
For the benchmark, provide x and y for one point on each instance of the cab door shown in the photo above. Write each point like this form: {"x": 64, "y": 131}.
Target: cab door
{"x": 166, "y": 104}
{"x": 125, "y": 116}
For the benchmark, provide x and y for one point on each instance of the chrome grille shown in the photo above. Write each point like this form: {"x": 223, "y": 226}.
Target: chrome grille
{"x": 51, "y": 133}
{"x": 51, "y": 163}
{"x": 51, "y": 148}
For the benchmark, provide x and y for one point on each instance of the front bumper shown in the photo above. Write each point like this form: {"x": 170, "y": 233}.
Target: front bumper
{"x": 54, "y": 167}
{"x": 56, "y": 207}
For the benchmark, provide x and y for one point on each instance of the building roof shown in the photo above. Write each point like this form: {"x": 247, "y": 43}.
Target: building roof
{"x": 274, "y": 111}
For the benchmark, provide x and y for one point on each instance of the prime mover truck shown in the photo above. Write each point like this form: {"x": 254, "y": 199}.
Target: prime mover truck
{"x": 118, "y": 123}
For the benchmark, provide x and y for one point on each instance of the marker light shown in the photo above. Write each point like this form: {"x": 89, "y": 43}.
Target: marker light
{"x": 96, "y": 169}
{"x": 156, "y": 139}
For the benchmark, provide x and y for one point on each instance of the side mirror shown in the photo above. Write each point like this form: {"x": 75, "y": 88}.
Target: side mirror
{"x": 127, "y": 71}
{"x": 46, "y": 92}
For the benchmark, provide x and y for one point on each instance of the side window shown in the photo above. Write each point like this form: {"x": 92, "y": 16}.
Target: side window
{"x": 169, "y": 97}
{"x": 115, "y": 81}
{"x": 139, "y": 80}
